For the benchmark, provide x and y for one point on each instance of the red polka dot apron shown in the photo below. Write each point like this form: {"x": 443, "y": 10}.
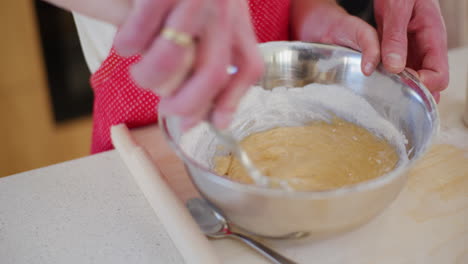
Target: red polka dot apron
{"x": 117, "y": 99}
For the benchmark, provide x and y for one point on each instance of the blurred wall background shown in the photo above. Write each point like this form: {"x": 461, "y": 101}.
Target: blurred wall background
{"x": 45, "y": 99}
{"x": 455, "y": 13}
{"x": 31, "y": 135}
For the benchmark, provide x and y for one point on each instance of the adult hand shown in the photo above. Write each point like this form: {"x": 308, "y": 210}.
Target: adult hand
{"x": 192, "y": 78}
{"x": 326, "y": 22}
{"x": 413, "y": 35}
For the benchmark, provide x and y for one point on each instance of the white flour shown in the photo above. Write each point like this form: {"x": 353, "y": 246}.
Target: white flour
{"x": 261, "y": 110}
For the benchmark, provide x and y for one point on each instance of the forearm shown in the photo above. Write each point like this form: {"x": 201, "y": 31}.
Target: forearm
{"x": 111, "y": 11}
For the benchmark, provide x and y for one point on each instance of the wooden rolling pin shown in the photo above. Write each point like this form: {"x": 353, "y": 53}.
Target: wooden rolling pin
{"x": 193, "y": 246}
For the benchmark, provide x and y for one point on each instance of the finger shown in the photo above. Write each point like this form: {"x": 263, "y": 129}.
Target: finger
{"x": 192, "y": 120}
{"x": 368, "y": 42}
{"x": 141, "y": 25}
{"x": 359, "y": 35}
{"x": 194, "y": 99}
{"x": 250, "y": 68}
{"x": 434, "y": 72}
{"x": 435, "y": 80}
{"x": 166, "y": 64}
{"x": 413, "y": 72}
{"x": 394, "y": 34}
{"x": 436, "y": 96}
{"x": 227, "y": 102}
{"x": 338, "y": 27}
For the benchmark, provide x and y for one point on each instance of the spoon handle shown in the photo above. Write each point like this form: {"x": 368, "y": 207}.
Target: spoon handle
{"x": 240, "y": 154}
{"x": 270, "y": 254}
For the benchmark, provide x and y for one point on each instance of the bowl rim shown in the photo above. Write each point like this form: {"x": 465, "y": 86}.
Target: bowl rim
{"x": 368, "y": 185}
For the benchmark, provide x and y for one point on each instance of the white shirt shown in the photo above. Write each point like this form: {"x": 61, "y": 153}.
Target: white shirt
{"x": 96, "y": 39}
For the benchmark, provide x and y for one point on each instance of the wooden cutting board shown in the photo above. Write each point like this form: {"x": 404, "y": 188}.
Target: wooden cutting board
{"x": 428, "y": 222}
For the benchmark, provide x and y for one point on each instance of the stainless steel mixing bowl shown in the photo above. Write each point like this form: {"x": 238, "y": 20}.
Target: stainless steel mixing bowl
{"x": 401, "y": 99}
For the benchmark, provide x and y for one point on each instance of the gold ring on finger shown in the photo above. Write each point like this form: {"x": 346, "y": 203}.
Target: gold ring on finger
{"x": 179, "y": 38}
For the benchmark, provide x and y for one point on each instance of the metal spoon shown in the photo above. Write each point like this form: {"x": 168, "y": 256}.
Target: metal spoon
{"x": 240, "y": 154}
{"x": 234, "y": 146}
{"x": 214, "y": 225}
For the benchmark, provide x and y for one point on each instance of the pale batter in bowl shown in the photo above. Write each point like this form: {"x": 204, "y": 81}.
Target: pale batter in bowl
{"x": 315, "y": 138}
{"x": 318, "y": 156}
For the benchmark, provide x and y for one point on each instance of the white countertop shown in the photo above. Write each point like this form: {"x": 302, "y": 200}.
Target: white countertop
{"x": 91, "y": 211}
{"x": 84, "y": 211}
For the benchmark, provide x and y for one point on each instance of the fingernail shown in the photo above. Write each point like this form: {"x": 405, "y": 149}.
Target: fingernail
{"x": 222, "y": 119}
{"x": 422, "y": 78}
{"x": 368, "y": 68}
{"x": 436, "y": 96}
{"x": 164, "y": 89}
{"x": 394, "y": 60}
{"x": 163, "y": 108}
{"x": 125, "y": 52}
{"x": 169, "y": 85}
{"x": 135, "y": 73}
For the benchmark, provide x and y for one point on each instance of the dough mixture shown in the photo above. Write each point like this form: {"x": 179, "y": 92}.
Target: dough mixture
{"x": 318, "y": 156}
